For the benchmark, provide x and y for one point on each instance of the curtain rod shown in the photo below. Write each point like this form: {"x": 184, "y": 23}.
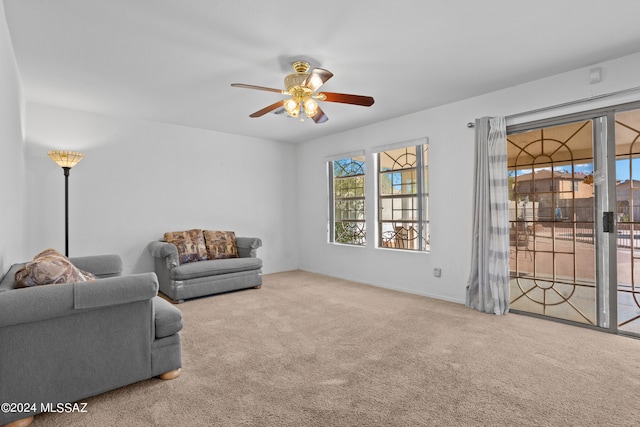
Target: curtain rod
{"x": 566, "y": 104}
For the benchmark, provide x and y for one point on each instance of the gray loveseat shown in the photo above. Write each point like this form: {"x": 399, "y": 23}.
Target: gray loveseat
{"x": 61, "y": 343}
{"x": 196, "y": 279}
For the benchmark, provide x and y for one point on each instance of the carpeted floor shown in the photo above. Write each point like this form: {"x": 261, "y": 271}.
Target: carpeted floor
{"x": 308, "y": 350}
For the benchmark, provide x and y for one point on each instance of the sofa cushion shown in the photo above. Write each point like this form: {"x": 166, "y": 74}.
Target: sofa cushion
{"x": 220, "y": 244}
{"x": 49, "y": 267}
{"x": 101, "y": 266}
{"x": 168, "y": 319}
{"x": 214, "y": 268}
{"x": 190, "y": 245}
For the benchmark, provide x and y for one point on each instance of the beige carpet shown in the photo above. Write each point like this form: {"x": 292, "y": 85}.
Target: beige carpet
{"x": 308, "y": 350}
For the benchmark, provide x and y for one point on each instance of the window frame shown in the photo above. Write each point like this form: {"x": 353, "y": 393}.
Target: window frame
{"x": 420, "y": 197}
{"x": 332, "y": 198}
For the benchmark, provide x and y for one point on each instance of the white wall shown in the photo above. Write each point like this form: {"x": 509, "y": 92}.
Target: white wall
{"x": 139, "y": 179}
{"x": 12, "y": 168}
{"x": 450, "y": 180}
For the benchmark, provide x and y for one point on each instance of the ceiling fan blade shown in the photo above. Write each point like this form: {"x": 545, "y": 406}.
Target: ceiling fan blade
{"x": 268, "y": 109}
{"x": 345, "y": 98}
{"x": 320, "y": 116}
{"x": 316, "y": 78}
{"x": 268, "y": 89}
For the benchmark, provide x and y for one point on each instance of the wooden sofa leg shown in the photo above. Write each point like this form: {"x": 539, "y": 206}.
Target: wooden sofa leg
{"x": 257, "y": 287}
{"x": 171, "y": 375}
{"x": 22, "y": 422}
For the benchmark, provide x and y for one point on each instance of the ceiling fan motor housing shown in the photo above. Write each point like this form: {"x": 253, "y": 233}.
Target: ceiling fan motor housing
{"x": 293, "y": 80}
{"x": 297, "y": 78}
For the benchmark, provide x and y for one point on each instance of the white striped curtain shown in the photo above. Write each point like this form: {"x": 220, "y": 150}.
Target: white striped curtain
{"x": 488, "y": 285}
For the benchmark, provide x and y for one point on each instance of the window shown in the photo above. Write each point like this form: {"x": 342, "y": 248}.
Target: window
{"x": 348, "y": 191}
{"x": 403, "y": 220}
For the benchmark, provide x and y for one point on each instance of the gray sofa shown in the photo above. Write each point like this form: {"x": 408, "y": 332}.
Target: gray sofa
{"x": 196, "y": 279}
{"x": 61, "y": 343}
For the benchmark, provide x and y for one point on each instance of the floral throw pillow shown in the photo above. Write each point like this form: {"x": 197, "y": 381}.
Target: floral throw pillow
{"x": 220, "y": 244}
{"x": 190, "y": 245}
{"x": 49, "y": 267}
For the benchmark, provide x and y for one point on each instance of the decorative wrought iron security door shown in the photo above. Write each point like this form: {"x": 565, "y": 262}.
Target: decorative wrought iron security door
{"x": 627, "y": 216}
{"x": 552, "y": 224}
{"x": 575, "y": 220}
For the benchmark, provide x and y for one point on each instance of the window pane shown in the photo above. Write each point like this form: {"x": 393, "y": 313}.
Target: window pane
{"x": 399, "y": 159}
{"x": 386, "y": 209}
{"x": 386, "y": 183}
{"x": 403, "y": 198}
{"x": 349, "y": 201}
{"x": 349, "y": 186}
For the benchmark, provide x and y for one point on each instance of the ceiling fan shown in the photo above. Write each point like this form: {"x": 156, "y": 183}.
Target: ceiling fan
{"x": 301, "y": 87}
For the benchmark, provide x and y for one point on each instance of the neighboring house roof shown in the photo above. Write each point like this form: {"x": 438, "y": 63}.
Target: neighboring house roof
{"x": 636, "y": 184}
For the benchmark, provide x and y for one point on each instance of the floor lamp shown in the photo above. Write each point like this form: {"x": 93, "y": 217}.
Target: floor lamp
{"x": 66, "y": 160}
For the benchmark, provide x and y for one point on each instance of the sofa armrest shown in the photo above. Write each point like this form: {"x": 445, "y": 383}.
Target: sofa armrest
{"x": 99, "y": 265}
{"x": 165, "y": 250}
{"x": 248, "y": 246}
{"x": 51, "y": 301}
{"x": 168, "y": 319}
{"x": 115, "y": 291}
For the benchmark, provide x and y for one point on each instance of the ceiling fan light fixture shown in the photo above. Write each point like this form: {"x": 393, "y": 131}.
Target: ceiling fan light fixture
{"x": 310, "y": 107}
{"x": 292, "y": 107}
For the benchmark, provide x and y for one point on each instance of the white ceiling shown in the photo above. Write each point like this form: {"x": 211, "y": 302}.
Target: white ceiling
{"x": 173, "y": 61}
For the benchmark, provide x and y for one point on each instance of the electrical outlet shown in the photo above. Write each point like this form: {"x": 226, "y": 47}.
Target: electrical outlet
{"x": 437, "y": 272}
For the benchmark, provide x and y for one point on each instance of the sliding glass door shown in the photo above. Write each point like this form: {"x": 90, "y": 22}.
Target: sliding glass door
{"x": 575, "y": 219}
{"x": 627, "y": 214}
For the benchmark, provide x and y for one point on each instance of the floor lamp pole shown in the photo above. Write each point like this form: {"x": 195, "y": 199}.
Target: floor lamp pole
{"x": 66, "y": 160}
{"x": 66, "y": 211}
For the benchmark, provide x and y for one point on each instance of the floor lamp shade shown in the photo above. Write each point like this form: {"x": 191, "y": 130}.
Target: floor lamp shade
{"x": 66, "y": 160}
